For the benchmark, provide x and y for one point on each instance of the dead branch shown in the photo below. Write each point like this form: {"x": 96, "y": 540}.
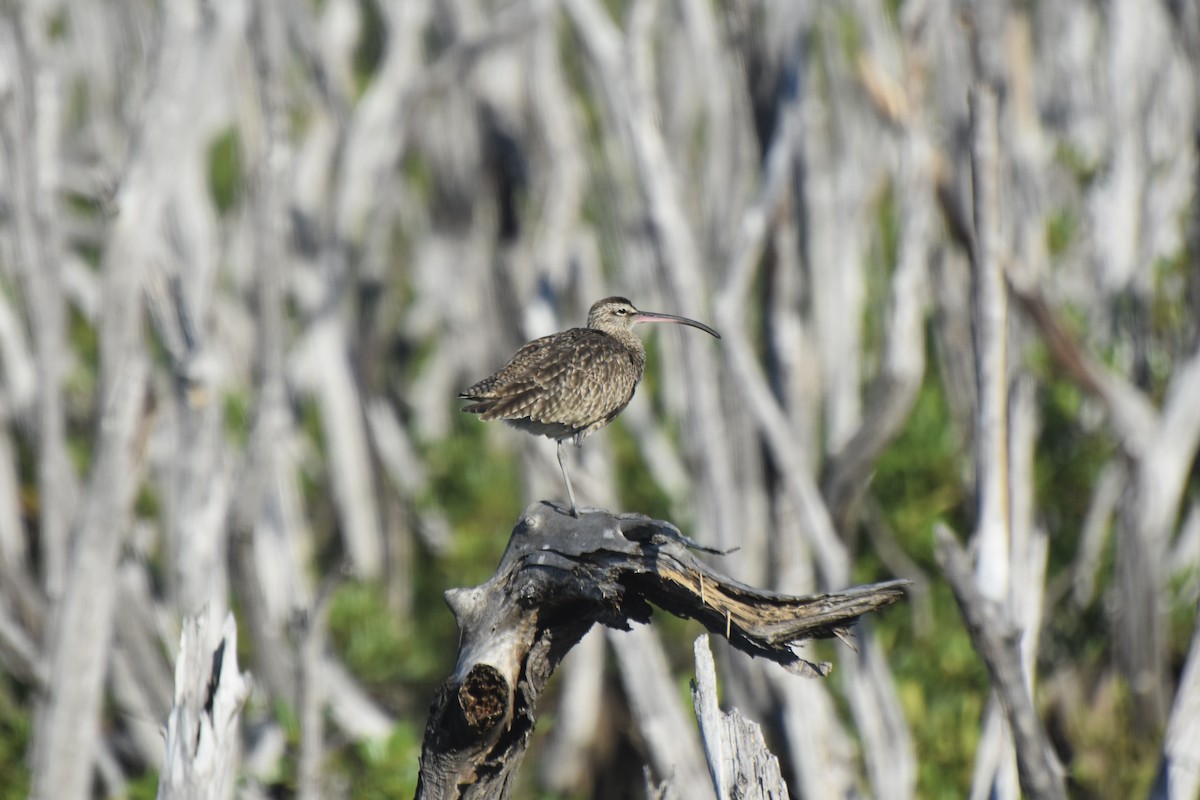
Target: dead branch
{"x": 1131, "y": 414}
{"x": 894, "y": 390}
{"x": 1040, "y": 773}
{"x": 80, "y": 632}
{"x": 30, "y": 126}
{"x": 738, "y": 759}
{"x": 990, "y": 303}
{"x": 557, "y": 578}
{"x": 203, "y": 731}
{"x": 1178, "y": 765}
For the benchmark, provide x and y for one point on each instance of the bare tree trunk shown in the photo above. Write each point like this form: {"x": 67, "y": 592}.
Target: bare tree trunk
{"x": 30, "y": 134}
{"x": 64, "y": 747}
{"x": 990, "y": 316}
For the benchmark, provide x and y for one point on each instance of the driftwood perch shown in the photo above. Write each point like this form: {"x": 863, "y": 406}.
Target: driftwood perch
{"x": 559, "y": 576}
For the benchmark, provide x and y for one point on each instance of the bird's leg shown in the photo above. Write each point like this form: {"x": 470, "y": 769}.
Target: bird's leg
{"x": 567, "y": 478}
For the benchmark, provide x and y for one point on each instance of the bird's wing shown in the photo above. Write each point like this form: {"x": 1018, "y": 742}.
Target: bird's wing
{"x": 529, "y": 376}
{"x": 595, "y": 384}
{"x": 575, "y": 379}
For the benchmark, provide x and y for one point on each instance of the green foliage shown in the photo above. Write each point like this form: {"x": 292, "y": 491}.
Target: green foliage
{"x": 369, "y": 52}
{"x": 236, "y": 418}
{"x": 941, "y": 682}
{"x": 147, "y": 505}
{"x": 383, "y": 770}
{"x": 480, "y": 494}
{"x": 310, "y": 423}
{"x": 882, "y": 256}
{"x": 618, "y": 9}
{"x": 380, "y": 649}
{"x": 634, "y": 485}
{"x": 80, "y": 389}
{"x": 16, "y": 726}
{"x": 85, "y": 349}
{"x": 1061, "y": 228}
{"x": 893, "y": 8}
{"x": 1109, "y": 759}
{"x": 1068, "y": 463}
{"x": 850, "y": 33}
{"x": 1084, "y": 170}
{"x": 225, "y": 179}
{"x": 1171, "y": 313}
{"x": 143, "y": 787}
{"x": 418, "y": 174}
{"x": 56, "y": 26}
{"x": 1183, "y": 614}
{"x": 943, "y": 688}
{"x": 918, "y": 480}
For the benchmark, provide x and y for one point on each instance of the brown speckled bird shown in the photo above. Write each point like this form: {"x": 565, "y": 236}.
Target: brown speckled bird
{"x": 570, "y": 384}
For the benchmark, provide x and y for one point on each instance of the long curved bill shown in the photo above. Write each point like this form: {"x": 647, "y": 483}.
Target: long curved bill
{"x": 651, "y": 316}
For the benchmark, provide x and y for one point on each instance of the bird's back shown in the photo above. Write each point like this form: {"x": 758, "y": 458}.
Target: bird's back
{"x": 567, "y": 384}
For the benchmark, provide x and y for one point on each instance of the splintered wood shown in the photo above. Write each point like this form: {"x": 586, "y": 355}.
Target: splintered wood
{"x": 761, "y": 622}
{"x": 739, "y": 762}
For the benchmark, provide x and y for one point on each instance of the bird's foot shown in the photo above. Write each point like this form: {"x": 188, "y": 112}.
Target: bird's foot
{"x": 568, "y": 509}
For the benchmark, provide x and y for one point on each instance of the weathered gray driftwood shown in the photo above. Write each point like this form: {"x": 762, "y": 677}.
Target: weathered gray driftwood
{"x": 203, "y": 731}
{"x": 738, "y": 759}
{"x": 558, "y": 577}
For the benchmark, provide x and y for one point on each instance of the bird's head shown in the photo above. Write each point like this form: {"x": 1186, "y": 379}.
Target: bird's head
{"x": 613, "y": 314}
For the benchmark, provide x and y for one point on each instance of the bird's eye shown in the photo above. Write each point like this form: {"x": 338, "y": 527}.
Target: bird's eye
{"x": 622, "y": 311}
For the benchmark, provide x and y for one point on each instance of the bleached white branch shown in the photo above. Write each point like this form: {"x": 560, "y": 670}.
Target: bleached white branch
{"x": 739, "y": 762}
{"x": 203, "y": 746}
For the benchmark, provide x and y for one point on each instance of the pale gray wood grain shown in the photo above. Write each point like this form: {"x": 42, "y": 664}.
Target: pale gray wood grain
{"x": 203, "y": 741}
{"x": 739, "y": 762}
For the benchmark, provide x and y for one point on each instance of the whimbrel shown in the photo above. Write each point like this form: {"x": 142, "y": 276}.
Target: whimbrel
{"x": 571, "y": 384}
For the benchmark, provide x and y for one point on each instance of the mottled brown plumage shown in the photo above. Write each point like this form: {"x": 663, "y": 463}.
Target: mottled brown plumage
{"x": 571, "y": 384}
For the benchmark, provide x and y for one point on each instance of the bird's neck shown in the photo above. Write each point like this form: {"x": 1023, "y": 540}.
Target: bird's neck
{"x": 630, "y": 341}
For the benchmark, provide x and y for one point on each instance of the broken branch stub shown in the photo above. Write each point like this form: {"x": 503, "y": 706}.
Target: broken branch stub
{"x": 559, "y": 576}
{"x": 203, "y": 731}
